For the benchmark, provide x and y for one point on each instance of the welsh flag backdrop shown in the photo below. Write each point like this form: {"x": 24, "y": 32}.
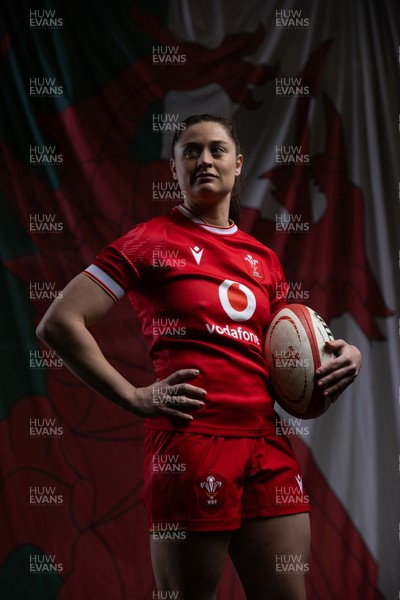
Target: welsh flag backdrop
{"x": 91, "y": 93}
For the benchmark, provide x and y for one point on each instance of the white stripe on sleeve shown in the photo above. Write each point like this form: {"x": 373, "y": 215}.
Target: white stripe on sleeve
{"x": 106, "y": 280}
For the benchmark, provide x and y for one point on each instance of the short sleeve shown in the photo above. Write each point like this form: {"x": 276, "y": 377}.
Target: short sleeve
{"x": 119, "y": 267}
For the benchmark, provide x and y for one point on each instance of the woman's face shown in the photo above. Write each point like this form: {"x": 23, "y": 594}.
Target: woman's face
{"x": 205, "y": 162}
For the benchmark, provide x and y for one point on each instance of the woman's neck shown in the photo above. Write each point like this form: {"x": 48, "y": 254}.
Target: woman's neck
{"x": 212, "y": 215}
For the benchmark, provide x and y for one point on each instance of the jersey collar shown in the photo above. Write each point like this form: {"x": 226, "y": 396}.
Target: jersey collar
{"x": 212, "y": 229}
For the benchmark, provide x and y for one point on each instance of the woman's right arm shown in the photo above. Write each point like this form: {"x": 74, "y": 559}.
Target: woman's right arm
{"x": 64, "y": 328}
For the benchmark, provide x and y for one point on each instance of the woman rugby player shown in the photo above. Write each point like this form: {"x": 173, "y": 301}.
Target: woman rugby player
{"x": 210, "y": 408}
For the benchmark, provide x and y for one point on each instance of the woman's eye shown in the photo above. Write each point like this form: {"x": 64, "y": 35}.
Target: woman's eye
{"x": 190, "y": 152}
{"x": 218, "y": 150}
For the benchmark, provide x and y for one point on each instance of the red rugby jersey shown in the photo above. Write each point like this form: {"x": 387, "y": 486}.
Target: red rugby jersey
{"x": 203, "y": 295}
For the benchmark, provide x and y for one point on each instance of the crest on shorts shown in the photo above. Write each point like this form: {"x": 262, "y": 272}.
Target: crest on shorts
{"x": 210, "y": 490}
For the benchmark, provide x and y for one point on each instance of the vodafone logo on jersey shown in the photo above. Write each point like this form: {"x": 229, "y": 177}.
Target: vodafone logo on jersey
{"x": 239, "y": 303}
{"x": 237, "y": 300}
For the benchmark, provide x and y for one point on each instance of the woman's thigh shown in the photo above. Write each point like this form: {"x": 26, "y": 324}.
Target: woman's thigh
{"x": 190, "y": 568}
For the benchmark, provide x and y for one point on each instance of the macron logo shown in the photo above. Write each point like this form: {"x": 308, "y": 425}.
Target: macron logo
{"x": 299, "y": 480}
{"x": 197, "y": 253}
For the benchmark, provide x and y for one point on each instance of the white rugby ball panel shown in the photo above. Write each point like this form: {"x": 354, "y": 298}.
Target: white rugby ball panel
{"x": 294, "y": 349}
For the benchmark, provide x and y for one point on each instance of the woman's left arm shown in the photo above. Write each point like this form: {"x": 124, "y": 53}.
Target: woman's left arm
{"x": 337, "y": 374}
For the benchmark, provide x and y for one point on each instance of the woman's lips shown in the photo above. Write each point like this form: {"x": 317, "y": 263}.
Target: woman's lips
{"x": 205, "y": 175}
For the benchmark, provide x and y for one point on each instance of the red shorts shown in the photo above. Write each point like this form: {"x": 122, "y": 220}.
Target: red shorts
{"x": 212, "y": 483}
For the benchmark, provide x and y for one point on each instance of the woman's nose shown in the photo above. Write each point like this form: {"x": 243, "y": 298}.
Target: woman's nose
{"x": 204, "y": 158}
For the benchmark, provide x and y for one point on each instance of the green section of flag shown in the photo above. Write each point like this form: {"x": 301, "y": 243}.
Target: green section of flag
{"x": 19, "y": 579}
{"x": 17, "y": 319}
{"x": 17, "y": 341}
{"x": 14, "y": 241}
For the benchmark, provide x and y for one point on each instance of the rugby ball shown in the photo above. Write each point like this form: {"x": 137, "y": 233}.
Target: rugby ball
{"x": 294, "y": 349}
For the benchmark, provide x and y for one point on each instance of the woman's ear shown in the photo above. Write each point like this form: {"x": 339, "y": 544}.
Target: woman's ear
{"x": 173, "y": 168}
{"x": 239, "y": 163}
